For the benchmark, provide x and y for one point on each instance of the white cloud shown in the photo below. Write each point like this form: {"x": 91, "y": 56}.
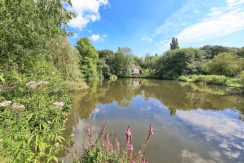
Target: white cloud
{"x": 200, "y": 20}
{"x": 147, "y": 39}
{"x": 221, "y": 21}
{"x": 97, "y": 37}
{"x": 86, "y": 11}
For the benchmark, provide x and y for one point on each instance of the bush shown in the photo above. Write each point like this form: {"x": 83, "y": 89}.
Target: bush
{"x": 31, "y": 129}
{"x": 211, "y": 79}
{"x": 227, "y": 64}
{"x": 242, "y": 78}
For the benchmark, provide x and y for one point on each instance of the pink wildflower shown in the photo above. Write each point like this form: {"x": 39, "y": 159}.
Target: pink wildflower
{"x": 144, "y": 161}
{"x": 130, "y": 149}
{"x": 128, "y": 135}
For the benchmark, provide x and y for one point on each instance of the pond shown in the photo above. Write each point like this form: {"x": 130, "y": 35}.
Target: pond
{"x": 193, "y": 123}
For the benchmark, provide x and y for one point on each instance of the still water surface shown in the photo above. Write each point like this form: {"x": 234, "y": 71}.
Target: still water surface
{"x": 193, "y": 123}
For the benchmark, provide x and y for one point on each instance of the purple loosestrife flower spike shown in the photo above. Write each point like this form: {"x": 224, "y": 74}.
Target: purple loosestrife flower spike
{"x": 128, "y": 135}
{"x": 130, "y": 148}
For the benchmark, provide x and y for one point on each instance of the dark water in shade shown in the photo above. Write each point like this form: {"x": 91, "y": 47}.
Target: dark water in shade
{"x": 193, "y": 123}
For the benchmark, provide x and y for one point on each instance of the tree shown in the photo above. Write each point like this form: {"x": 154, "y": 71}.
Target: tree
{"x": 174, "y": 44}
{"x": 88, "y": 58}
{"x": 26, "y": 27}
{"x": 212, "y": 51}
{"x": 122, "y": 62}
{"x": 226, "y": 63}
{"x": 105, "y": 64}
{"x": 175, "y": 63}
{"x": 66, "y": 59}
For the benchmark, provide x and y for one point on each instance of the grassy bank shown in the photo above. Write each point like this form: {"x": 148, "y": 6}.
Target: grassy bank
{"x": 213, "y": 79}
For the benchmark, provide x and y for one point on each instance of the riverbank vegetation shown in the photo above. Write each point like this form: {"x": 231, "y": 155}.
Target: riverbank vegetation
{"x": 107, "y": 148}
{"x": 217, "y": 65}
{"x": 38, "y": 66}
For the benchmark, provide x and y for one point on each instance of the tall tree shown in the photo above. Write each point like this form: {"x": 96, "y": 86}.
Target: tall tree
{"x": 26, "y": 26}
{"x": 174, "y": 44}
{"x": 88, "y": 58}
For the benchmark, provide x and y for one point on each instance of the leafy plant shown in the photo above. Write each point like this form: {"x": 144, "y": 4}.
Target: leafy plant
{"x": 108, "y": 149}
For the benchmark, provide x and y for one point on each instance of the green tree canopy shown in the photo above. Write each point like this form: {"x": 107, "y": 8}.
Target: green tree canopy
{"x": 177, "y": 62}
{"x": 88, "y": 58}
{"x": 226, "y": 63}
{"x": 26, "y": 26}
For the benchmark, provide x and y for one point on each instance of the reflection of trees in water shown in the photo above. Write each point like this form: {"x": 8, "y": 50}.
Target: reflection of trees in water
{"x": 172, "y": 94}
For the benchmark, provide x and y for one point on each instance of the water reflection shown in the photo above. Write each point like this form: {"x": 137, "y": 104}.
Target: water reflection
{"x": 194, "y": 123}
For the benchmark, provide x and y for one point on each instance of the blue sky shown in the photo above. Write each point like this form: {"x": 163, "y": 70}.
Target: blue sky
{"x": 147, "y": 26}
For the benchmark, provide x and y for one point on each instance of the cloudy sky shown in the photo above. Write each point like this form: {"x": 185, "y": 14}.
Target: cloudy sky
{"x": 147, "y": 26}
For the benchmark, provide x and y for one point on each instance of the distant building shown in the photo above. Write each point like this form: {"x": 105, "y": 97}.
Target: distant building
{"x": 135, "y": 70}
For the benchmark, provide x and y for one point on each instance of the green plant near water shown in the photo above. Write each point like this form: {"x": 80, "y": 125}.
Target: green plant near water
{"x": 211, "y": 79}
{"x": 242, "y": 78}
{"x": 35, "y": 133}
{"x": 107, "y": 148}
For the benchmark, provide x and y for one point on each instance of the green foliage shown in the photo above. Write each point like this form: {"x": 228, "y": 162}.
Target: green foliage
{"x": 211, "y": 79}
{"x": 242, "y": 78}
{"x": 212, "y": 51}
{"x": 240, "y": 52}
{"x": 97, "y": 155}
{"x": 2, "y": 80}
{"x": 113, "y": 77}
{"x": 88, "y": 59}
{"x": 174, "y": 44}
{"x": 33, "y": 135}
{"x": 122, "y": 63}
{"x": 25, "y": 28}
{"x": 105, "y": 64}
{"x": 175, "y": 63}
{"x": 118, "y": 63}
{"x": 66, "y": 59}
{"x": 225, "y": 64}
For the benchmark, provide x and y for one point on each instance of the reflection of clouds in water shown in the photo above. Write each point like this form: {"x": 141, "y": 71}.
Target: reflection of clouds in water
{"x": 97, "y": 110}
{"x": 218, "y": 127}
{"x": 189, "y": 157}
{"x": 231, "y": 154}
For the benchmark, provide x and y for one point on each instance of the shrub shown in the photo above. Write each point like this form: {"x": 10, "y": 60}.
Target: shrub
{"x": 34, "y": 132}
{"x": 214, "y": 79}
{"x": 242, "y": 78}
{"x": 227, "y": 64}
